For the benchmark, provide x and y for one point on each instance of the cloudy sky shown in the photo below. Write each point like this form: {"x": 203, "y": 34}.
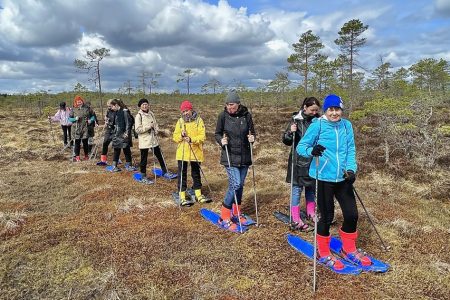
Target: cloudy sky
{"x": 232, "y": 41}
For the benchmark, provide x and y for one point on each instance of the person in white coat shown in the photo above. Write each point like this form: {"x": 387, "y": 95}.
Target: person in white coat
{"x": 147, "y": 129}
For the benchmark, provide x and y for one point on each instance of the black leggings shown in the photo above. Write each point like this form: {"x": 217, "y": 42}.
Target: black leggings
{"x": 126, "y": 151}
{"x": 195, "y": 173}
{"x": 105, "y": 146}
{"x": 158, "y": 154}
{"x": 78, "y": 146}
{"x": 325, "y": 200}
{"x": 67, "y": 133}
{"x": 106, "y": 141}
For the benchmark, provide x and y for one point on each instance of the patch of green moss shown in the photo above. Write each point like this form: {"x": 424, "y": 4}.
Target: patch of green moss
{"x": 444, "y": 130}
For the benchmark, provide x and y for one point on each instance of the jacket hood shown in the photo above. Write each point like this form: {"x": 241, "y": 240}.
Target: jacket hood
{"x": 242, "y": 111}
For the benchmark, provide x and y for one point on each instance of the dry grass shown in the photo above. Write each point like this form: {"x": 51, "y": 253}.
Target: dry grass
{"x": 77, "y": 232}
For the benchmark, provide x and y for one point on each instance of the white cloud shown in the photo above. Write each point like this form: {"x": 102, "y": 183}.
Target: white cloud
{"x": 39, "y": 39}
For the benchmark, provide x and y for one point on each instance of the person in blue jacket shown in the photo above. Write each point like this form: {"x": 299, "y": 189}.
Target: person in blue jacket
{"x": 331, "y": 140}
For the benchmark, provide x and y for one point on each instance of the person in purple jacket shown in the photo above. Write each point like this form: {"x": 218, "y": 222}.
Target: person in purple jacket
{"x": 62, "y": 116}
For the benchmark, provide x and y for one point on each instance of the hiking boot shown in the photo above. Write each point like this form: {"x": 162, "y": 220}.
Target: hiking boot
{"x": 115, "y": 169}
{"x": 358, "y": 257}
{"x": 245, "y": 220}
{"x": 203, "y": 199}
{"x": 185, "y": 202}
{"x": 102, "y": 161}
{"x": 129, "y": 167}
{"x": 228, "y": 225}
{"x": 86, "y": 157}
{"x": 332, "y": 262}
{"x": 302, "y": 227}
{"x": 169, "y": 175}
{"x": 145, "y": 180}
{"x": 76, "y": 159}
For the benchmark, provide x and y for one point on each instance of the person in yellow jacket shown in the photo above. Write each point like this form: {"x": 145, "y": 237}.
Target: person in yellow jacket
{"x": 190, "y": 135}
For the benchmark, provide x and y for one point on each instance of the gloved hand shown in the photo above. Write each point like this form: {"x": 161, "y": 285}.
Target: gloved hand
{"x": 349, "y": 176}
{"x": 77, "y": 118}
{"x": 318, "y": 150}
{"x": 251, "y": 138}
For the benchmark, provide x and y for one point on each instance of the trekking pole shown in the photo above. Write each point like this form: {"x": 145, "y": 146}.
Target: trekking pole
{"x": 74, "y": 142}
{"x": 200, "y": 167}
{"x": 68, "y": 145}
{"x": 181, "y": 175}
{"x": 94, "y": 151}
{"x": 292, "y": 178}
{"x": 52, "y": 133}
{"x": 315, "y": 224}
{"x": 154, "y": 162}
{"x": 162, "y": 155}
{"x": 385, "y": 248}
{"x": 254, "y": 184}
{"x": 234, "y": 191}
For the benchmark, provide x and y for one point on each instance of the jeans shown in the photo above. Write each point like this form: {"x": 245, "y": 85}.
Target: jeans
{"x": 236, "y": 179}
{"x": 297, "y": 192}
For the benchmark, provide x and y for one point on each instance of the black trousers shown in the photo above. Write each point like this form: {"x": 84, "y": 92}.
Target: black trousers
{"x": 105, "y": 146}
{"x": 343, "y": 192}
{"x": 78, "y": 146}
{"x": 106, "y": 141}
{"x": 195, "y": 173}
{"x": 126, "y": 151}
{"x": 144, "y": 155}
{"x": 67, "y": 133}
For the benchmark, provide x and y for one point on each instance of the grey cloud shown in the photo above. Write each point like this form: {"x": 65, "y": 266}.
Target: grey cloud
{"x": 442, "y": 7}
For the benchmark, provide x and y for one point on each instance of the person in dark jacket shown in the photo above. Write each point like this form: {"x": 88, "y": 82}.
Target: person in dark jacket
{"x": 91, "y": 127}
{"x": 295, "y": 130}
{"x": 234, "y": 133}
{"x": 121, "y": 138}
{"x": 108, "y": 133}
{"x": 81, "y": 117}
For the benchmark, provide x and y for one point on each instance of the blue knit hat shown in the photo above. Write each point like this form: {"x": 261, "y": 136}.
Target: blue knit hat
{"x": 332, "y": 101}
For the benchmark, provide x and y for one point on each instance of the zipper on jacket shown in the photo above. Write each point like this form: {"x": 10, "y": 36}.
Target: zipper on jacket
{"x": 321, "y": 169}
{"x": 337, "y": 152}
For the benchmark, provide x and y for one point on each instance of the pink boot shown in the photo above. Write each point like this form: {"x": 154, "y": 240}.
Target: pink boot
{"x": 310, "y": 209}
{"x": 298, "y": 223}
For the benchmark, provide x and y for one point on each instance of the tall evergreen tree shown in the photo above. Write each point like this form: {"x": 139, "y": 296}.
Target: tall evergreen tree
{"x": 350, "y": 42}
{"x": 91, "y": 64}
{"x": 305, "y": 51}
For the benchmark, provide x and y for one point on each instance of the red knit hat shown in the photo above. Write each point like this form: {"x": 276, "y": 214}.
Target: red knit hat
{"x": 186, "y": 105}
{"x": 76, "y": 101}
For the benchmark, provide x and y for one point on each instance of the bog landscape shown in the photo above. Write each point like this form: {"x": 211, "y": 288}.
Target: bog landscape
{"x": 74, "y": 231}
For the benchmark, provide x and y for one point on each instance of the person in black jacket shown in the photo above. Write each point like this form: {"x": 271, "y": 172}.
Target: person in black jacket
{"x": 295, "y": 130}
{"x": 234, "y": 133}
{"x": 108, "y": 132}
{"x": 122, "y": 138}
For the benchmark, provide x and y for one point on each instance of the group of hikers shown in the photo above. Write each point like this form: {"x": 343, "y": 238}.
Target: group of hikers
{"x": 322, "y": 160}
